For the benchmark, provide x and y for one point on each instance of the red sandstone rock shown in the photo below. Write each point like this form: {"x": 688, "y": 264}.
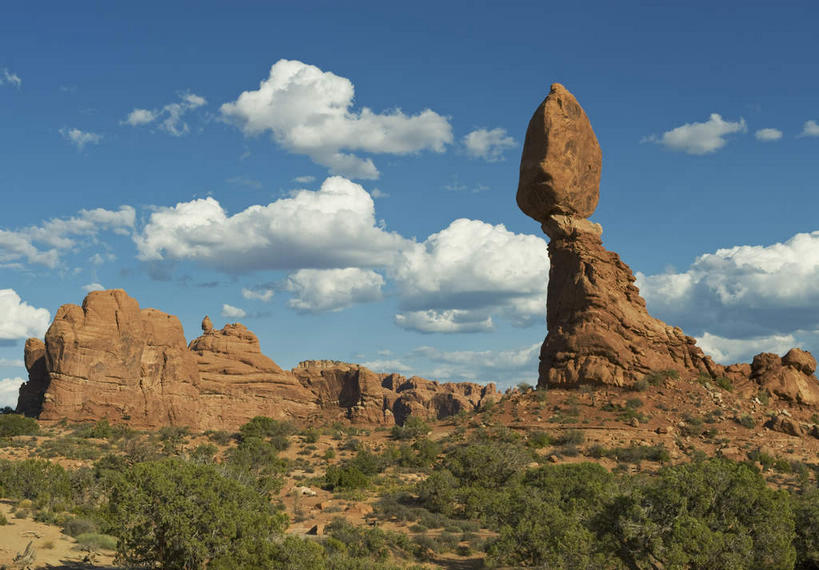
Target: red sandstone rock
{"x": 110, "y": 359}
{"x": 560, "y": 165}
{"x": 786, "y": 377}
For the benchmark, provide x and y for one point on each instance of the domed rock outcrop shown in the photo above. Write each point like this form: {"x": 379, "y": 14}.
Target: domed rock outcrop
{"x": 110, "y": 359}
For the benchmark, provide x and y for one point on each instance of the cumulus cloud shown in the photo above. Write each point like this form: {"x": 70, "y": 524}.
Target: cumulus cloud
{"x": 731, "y": 350}
{"x": 317, "y": 290}
{"x": 93, "y": 287}
{"x": 742, "y": 292}
{"x": 9, "y": 78}
{"x": 458, "y": 277}
{"x": 699, "y": 138}
{"x": 333, "y": 227}
{"x": 19, "y": 319}
{"x": 44, "y": 244}
{"x": 9, "y": 391}
{"x": 309, "y": 111}
{"x": 231, "y": 312}
{"x": 810, "y": 129}
{"x": 169, "y": 118}
{"x": 768, "y": 135}
{"x": 488, "y": 144}
{"x": 446, "y": 321}
{"x": 387, "y": 365}
{"x": 80, "y": 138}
{"x": 258, "y": 295}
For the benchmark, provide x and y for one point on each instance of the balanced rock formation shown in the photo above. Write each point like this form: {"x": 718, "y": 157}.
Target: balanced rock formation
{"x": 599, "y": 330}
{"x": 110, "y": 359}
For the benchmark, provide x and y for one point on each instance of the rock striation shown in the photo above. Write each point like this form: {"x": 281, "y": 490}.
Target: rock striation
{"x": 111, "y": 359}
{"x": 599, "y": 330}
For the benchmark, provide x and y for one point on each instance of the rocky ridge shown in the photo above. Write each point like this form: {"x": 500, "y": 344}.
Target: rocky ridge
{"x": 110, "y": 359}
{"x": 599, "y": 330}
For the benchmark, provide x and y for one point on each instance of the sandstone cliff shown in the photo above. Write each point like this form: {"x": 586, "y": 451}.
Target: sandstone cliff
{"x": 111, "y": 359}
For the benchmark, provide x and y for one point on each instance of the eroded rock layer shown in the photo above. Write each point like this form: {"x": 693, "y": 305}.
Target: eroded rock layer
{"x": 110, "y": 359}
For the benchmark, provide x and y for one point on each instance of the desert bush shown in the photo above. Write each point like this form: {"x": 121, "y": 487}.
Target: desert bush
{"x": 344, "y": 478}
{"x": 413, "y": 427}
{"x": 34, "y": 480}
{"x": 707, "y": 514}
{"x": 746, "y": 421}
{"x": 98, "y": 430}
{"x": 274, "y": 431}
{"x": 257, "y": 460}
{"x": 77, "y": 526}
{"x": 180, "y": 515}
{"x": 95, "y": 541}
{"x": 539, "y": 439}
{"x": 15, "y": 424}
{"x": 219, "y": 437}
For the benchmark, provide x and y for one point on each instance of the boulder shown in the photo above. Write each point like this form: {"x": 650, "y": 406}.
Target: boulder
{"x": 787, "y": 377}
{"x": 560, "y": 165}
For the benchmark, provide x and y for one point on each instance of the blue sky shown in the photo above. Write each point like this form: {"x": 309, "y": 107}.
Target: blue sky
{"x": 343, "y": 174}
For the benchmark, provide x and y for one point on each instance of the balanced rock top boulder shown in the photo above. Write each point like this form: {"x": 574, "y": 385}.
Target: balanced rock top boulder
{"x": 560, "y": 165}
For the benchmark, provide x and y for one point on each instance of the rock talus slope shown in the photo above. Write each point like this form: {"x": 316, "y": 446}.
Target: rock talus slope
{"x": 110, "y": 359}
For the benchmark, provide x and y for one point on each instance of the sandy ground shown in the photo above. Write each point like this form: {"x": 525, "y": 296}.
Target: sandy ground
{"x": 53, "y": 548}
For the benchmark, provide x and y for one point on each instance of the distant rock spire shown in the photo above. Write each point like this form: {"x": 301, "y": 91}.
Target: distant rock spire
{"x": 207, "y": 325}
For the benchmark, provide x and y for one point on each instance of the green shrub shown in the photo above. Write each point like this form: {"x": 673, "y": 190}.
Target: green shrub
{"x": 98, "y": 430}
{"x": 724, "y": 383}
{"x": 78, "y": 526}
{"x": 413, "y": 427}
{"x": 746, "y": 421}
{"x": 707, "y": 514}
{"x": 539, "y": 439}
{"x": 15, "y": 424}
{"x": 344, "y": 478}
{"x": 571, "y": 437}
{"x": 96, "y": 541}
{"x": 180, "y": 515}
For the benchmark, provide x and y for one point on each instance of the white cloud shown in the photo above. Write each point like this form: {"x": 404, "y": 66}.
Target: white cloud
{"x": 699, "y": 138}
{"x": 170, "y": 117}
{"x": 506, "y": 367}
{"x": 488, "y": 144}
{"x": 304, "y": 179}
{"x": 10, "y": 78}
{"x": 140, "y": 117}
{"x": 80, "y": 138}
{"x": 258, "y": 295}
{"x": 93, "y": 287}
{"x": 9, "y": 363}
{"x": 768, "y": 135}
{"x": 387, "y": 366}
{"x": 316, "y": 290}
{"x": 458, "y": 277}
{"x": 446, "y": 321}
{"x": 731, "y": 350}
{"x": 333, "y": 227}
{"x": 308, "y": 111}
{"x": 19, "y": 319}
{"x": 231, "y": 312}
{"x": 810, "y": 129}
{"x": 376, "y": 193}
{"x": 742, "y": 292}
{"x": 9, "y": 391}
{"x": 43, "y": 244}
